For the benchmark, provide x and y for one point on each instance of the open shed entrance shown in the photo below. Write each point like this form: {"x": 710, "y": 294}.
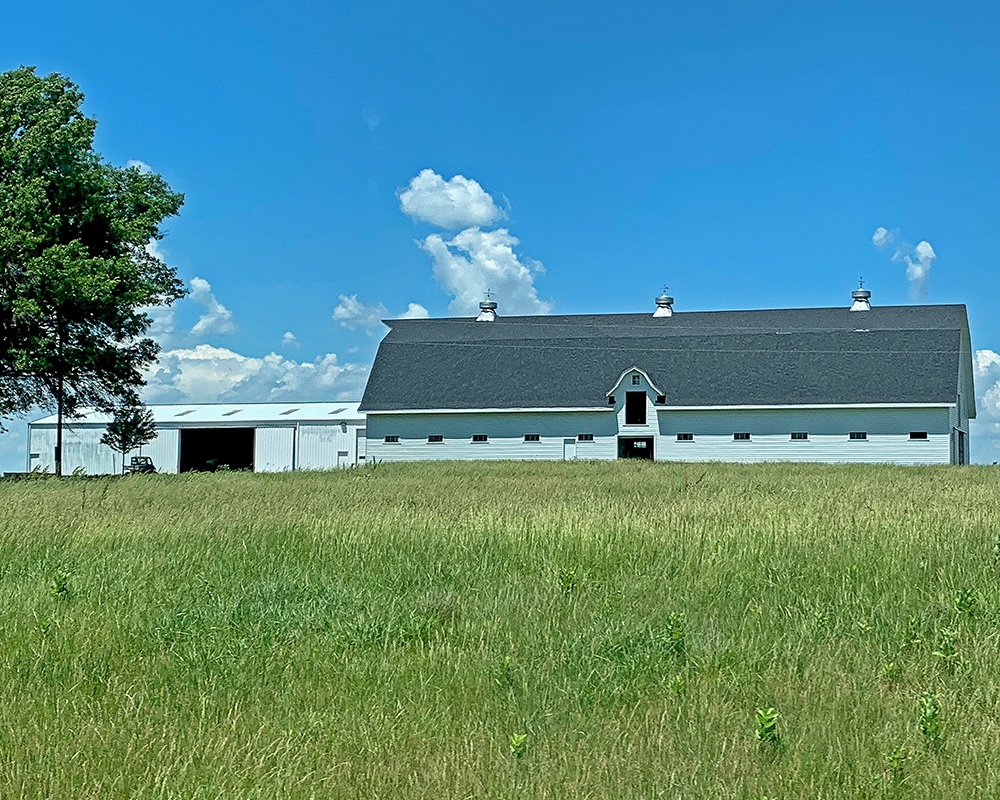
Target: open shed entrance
{"x": 207, "y": 449}
{"x": 635, "y": 447}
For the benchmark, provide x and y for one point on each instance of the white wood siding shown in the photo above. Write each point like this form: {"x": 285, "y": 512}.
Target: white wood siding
{"x": 505, "y": 431}
{"x": 770, "y": 435}
{"x": 770, "y": 430}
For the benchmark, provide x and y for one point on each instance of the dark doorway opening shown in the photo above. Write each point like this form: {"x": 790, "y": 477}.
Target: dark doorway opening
{"x": 635, "y": 408}
{"x": 635, "y": 447}
{"x": 207, "y": 449}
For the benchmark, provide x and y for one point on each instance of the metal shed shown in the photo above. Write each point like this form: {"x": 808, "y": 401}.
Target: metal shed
{"x": 262, "y": 437}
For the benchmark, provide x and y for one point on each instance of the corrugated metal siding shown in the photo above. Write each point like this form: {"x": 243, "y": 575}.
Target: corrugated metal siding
{"x": 320, "y": 446}
{"x": 82, "y": 448}
{"x": 272, "y": 449}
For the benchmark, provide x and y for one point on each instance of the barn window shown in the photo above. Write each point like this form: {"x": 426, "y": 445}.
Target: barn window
{"x": 392, "y": 440}
{"x": 857, "y": 436}
{"x": 661, "y": 399}
{"x": 685, "y": 437}
{"x": 611, "y": 399}
{"x": 635, "y": 408}
{"x": 532, "y": 437}
{"x": 741, "y": 437}
{"x": 918, "y": 436}
{"x": 435, "y": 438}
{"x": 635, "y": 380}
{"x": 585, "y": 437}
{"x": 480, "y": 437}
{"x": 800, "y": 437}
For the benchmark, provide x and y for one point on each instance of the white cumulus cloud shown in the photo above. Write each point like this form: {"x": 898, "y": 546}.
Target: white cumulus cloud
{"x": 142, "y": 166}
{"x": 918, "y": 260}
{"x": 352, "y": 314}
{"x": 206, "y": 374}
{"x": 882, "y": 238}
{"x": 216, "y": 318}
{"x": 415, "y": 311}
{"x": 457, "y": 203}
{"x": 289, "y": 340}
{"x": 474, "y": 261}
{"x": 984, "y": 431}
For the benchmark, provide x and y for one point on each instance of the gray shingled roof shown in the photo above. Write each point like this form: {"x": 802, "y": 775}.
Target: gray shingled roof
{"x": 898, "y": 354}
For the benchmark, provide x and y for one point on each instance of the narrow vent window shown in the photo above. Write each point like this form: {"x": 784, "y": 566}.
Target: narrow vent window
{"x": 532, "y": 437}
{"x": 800, "y": 437}
{"x": 918, "y": 436}
{"x": 392, "y": 440}
{"x": 185, "y": 413}
{"x": 585, "y": 437}
{"x": 234, "y": 411}
{"x": 435, "y": 438}
{"x": 289, "y": 411}
{"x": 611, "y": 399}
{"x": 858, "y": 436}
{"x": 337, "y": 410}
{"x": 741, "y": 437}
{"x": 480, "y": 437}
{"x": 685, "y": 437}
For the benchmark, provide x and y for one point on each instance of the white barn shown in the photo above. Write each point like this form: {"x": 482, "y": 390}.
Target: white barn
{"x": 851, "y": 384}
{"x": 263, "y": 437}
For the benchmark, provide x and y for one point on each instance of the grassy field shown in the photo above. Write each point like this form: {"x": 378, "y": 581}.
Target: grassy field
{"x": 574, "y": 630}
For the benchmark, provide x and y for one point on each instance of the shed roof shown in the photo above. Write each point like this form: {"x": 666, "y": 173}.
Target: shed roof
{"x": 195, "y": 414}
{"x": 895, "y": 354}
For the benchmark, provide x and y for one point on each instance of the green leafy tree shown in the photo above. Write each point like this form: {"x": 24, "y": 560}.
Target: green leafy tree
{"x": 76, "y": 272}
{"x": 130, "y": 428}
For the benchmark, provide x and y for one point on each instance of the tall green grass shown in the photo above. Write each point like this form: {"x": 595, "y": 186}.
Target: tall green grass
{"x": 503, "y": 630}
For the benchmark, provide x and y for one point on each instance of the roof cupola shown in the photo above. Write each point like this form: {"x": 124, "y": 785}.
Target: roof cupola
{"x": 487, "y": 310}
{"x": 861, "y": 298}
{"x": 664, "y": 305}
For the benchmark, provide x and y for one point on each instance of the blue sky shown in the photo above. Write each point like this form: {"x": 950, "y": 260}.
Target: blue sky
{"x": 744, "y": 154}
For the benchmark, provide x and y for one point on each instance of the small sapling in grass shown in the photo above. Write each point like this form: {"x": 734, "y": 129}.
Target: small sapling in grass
{"x": 892, "y": 672}
{"x": 966, "y": 602}
{"x": 930, "y": 721}
{"x": 766, "y": 726}
{"x": 518, "y": 744}
{"x": 895, "y": 763}
{"x": 568, "y": 580}
{"x": 60, "y": 586}
{"x": 675, "y": 635}
{"x": 912, "y": 638}
{"x": 946, "y": 650}
{"x": 678, "y": 685}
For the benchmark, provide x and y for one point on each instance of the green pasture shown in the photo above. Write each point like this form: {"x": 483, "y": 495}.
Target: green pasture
{"x": 566, "y": 630}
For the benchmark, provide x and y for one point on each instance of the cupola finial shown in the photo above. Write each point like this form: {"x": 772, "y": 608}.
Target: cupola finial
{"x": 861, "y": 297}
{"x": 487, "y": 309}
{"x": 664, "y": 305}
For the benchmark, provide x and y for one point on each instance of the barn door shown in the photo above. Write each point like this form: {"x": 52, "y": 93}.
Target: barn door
{"x": 569, "y": 449}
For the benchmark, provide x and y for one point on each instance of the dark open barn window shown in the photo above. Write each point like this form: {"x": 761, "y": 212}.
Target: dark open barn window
{"x": 635, "y": 408}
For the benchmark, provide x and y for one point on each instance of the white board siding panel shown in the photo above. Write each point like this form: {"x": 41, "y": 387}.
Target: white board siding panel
{"x": 770, "y": 431}
{"x": 272, "y": 449}
{"x": 319, "y": 446}
{"x": 505, "y": 431}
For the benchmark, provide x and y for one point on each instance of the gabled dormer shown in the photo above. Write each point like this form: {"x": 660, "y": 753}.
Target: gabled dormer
{"x": 634, "y": 396}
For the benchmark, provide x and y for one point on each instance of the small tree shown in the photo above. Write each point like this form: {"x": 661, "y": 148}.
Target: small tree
{"x": 130, "y": 428}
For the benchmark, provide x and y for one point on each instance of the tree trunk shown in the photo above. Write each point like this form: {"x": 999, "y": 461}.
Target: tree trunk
{"x": 59, "y": 426}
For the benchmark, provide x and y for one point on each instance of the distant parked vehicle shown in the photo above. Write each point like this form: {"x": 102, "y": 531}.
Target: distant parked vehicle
{"x": 140, "y": 464}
